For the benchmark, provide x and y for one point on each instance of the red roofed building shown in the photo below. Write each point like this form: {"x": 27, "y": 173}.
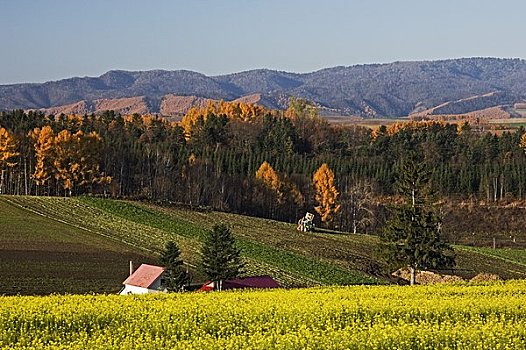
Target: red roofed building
{"x": 146, "y": 279}
{"x": 242, "y": 283}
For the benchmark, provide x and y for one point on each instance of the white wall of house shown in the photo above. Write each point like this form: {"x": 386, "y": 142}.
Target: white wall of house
{"x": 155, "y": 287}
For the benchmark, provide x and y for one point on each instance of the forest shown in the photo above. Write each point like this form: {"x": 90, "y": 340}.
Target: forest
{"x": 243, "y": 158}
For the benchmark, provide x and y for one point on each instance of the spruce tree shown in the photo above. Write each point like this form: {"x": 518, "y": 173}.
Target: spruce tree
{"x": 411, "y": 237}
{"x": 176, "y": 276}
{"x": 221, "y": 258}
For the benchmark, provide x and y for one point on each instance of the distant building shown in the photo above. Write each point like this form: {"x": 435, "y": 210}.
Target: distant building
{"x": 242, "y": 283}
{"x": 146, "y": 279}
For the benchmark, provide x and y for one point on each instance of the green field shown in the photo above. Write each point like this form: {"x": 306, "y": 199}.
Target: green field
{"x": 75, "y": 245}
{"x": 39, "y": 254}
{"x": 462, "y": 316}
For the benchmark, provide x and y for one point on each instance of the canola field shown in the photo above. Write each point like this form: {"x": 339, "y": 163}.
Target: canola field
{"x": 463, "y": 316}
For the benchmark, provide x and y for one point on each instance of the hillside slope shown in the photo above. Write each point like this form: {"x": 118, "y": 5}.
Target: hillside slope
{"x": 56, "y": 232}
{"x": 41, "y": 254}
{"x": 374, "y": 90}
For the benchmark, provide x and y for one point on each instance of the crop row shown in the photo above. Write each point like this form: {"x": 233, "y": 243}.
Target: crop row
{"x": 148, "y": 229}
{"x": 317, "y": 271}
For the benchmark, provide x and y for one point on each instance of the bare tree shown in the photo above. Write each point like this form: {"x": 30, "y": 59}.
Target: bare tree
{"x": 358, "y": 205}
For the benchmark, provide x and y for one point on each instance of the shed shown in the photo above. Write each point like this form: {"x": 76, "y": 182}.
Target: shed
{"x": 146, "y": 279}
{"x": 242, "y": 283}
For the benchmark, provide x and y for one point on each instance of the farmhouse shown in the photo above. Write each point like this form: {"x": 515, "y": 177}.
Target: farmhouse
{"x": 146, "y": 279}
{"x": 241, "y": 283}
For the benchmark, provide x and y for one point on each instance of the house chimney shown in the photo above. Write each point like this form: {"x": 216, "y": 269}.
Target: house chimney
{"x": 131, "y": 267}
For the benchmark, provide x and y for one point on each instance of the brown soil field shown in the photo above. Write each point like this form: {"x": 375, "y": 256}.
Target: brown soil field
{"x": 42, "y": 256}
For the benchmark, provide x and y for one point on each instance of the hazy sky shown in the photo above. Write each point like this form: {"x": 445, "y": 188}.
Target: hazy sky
{"x": 53, "y": 39}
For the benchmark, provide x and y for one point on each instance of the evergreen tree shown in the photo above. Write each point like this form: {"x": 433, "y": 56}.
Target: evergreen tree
{"x": 412, "y": 234}
{"x": 413, "y": 181}
{"x": 176, "y": 276}
{"x": 221, "y": 259}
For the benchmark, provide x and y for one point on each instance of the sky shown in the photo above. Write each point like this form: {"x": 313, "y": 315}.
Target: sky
{"x": 42, "y": 40}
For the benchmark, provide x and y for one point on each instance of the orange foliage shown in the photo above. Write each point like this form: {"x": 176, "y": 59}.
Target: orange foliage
{"x": 8, "y": 146}
{"x": 326, "y": 193}
{"x": 43, "y": 140}
{"x": 73, "y": 159}
{"x": 411, "y": 125}
{"x": 233, "y": 110}
{"x": 270, "y": 179}
{"x": 76, "y": 158}
{"x": 523, "y": 142}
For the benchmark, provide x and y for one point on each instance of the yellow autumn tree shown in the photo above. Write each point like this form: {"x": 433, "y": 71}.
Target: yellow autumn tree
{"x": 90, "y": 148}
{"x": 8, "y": 152}
{"x": 66, "y": 161}
{"x": 270, "y": 179}
{"x": 76, "y": 161}
{"x": 43, "y": 142}
{"x": 235, "y": 110}
{"x": 326, "y": 194}
{"x": 523, "y": 142}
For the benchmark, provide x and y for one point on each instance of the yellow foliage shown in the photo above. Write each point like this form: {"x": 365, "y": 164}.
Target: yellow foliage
{"x": 300, "y": 108}
{"x": 413, "y": 125}
{"x": 326, "y": 193}
{"x": 8, "y": 146}
{"x": 73, "y": 159}
{"x": 44, "y": 140}
{"x": 8, "y": 149}
{"x": 270, "y": 179}
{"x": 192, "y": 159}
{"x": 523, "y": 142}
{"x": 232, "y": 110}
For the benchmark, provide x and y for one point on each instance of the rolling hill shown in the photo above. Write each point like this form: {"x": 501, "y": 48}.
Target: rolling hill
{"x": 374, "y": 90}
{"x": 50, "y": 244}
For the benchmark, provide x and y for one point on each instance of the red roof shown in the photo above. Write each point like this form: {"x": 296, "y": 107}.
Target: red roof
{"x": 247, "y": 282}
{"x": 144, "y": 276}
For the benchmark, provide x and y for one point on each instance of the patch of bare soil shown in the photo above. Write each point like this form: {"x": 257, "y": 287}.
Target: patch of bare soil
{"x": 427, "y": 277}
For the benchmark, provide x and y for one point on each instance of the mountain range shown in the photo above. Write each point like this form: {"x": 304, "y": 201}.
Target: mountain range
{"x": 454, "y": 86}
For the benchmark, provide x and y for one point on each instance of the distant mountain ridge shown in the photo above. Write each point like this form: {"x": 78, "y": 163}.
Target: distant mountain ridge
{"x": 374, "y": 90}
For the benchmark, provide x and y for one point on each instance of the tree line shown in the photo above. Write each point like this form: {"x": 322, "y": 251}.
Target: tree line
{"x": 244, "y": 158}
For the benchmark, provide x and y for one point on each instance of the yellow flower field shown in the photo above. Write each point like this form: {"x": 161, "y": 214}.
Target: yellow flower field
{"x": 460, "y": 316}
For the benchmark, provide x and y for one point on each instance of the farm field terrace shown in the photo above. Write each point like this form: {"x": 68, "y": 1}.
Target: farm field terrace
{"x": 466, "y": 316}
{"x": 83, "y": 245}
{"x": 40, "y": 254}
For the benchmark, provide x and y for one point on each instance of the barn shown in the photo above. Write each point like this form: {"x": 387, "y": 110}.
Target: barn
{"x": 242, "y": 283}
{"x": 146, "y": 279}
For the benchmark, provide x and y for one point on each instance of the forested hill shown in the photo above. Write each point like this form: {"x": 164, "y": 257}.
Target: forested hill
{"x": 394, "y": 89}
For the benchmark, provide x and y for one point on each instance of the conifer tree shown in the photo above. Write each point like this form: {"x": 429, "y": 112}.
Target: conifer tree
{"x": 176, "y": 276}
{"x": 326, "y": 194}
{"x": 412, "y": 236}
{"x": 221, "y": 259}
{"x": 413, "y": 181}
